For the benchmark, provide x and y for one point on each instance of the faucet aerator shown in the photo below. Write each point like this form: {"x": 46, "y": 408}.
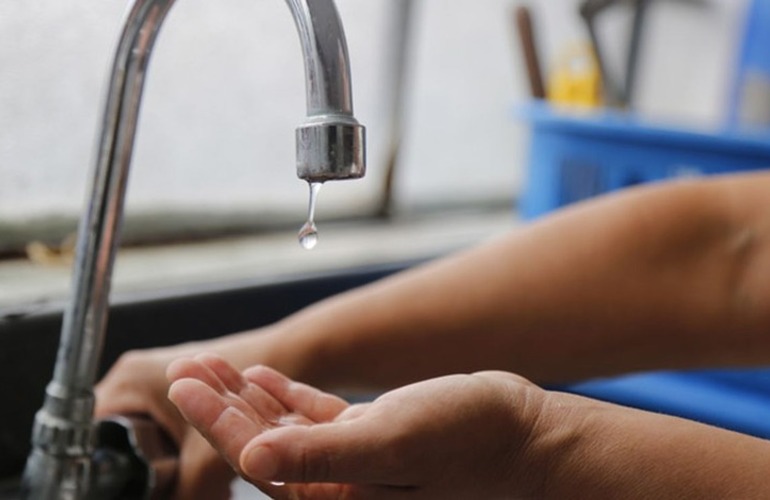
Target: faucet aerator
{"x": 331, "y": 149}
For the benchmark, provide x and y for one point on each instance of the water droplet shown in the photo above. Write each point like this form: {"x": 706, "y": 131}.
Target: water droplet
{"x": 277, "y": 483}
{"x": 308, "y": 235}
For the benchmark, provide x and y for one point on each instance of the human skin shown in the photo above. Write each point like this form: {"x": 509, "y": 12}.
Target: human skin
{"x": 664, "y": 276}
{"x": 490, "y": 435}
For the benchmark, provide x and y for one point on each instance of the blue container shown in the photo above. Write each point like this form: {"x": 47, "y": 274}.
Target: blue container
{"x": 574, "y": 157}
{"x": 750, "y": 105}
{"x": 755, "y": 47}
{"x": 736, "y": 399}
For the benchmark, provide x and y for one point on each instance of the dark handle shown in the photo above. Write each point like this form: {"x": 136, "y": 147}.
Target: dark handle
{"x": 526, "y": 30}
{"x": 134, "y": 459}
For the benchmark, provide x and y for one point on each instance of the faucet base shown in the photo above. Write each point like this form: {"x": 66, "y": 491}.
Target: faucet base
{"x": 51, "y": 477}
{"x": 60, "y": 464}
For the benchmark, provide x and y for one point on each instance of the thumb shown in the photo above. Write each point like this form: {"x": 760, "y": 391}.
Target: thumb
{"x": 339, "y": 452}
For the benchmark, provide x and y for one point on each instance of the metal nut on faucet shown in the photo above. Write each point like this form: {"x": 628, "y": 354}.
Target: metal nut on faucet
{"x": 331, "y": 149}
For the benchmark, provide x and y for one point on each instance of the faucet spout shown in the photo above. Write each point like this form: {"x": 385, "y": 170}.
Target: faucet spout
{"x": 330, "y": 145}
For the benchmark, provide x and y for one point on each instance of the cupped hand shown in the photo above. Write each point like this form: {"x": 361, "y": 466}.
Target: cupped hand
{"x": 460, "y": 436}
{"x": 137, "y": 384}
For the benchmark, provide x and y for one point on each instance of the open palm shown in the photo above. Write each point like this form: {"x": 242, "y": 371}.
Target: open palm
{"x": 461, "y": 436}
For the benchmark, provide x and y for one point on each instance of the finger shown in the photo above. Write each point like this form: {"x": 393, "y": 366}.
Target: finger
{"x": 265, "y": 404}
{"x": 353, "y": 411}
{"x": 357, "y": 451}
{"x": 230, "y": 377}
{"x": 215, "y": 372}
{"x": 188, "y": 368}
{"x": 220, "y": 421}
{"x": 222, "y": 377}
{"x": 317, "y": 405}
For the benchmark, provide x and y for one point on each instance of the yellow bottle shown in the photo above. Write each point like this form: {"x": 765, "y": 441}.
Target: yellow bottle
{"x": 576, "y": 80}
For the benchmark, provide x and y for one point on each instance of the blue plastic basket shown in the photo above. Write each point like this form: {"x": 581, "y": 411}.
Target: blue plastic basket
{"x": 577, "y": 156}
{"x": 736, "y": 399}
{"x": 753, "y": 67}
{"x": 574, "y": 157}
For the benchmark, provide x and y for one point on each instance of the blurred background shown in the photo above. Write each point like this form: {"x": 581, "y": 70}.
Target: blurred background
{"x": 464, "y": 144}
{"x": 214, "y": 153}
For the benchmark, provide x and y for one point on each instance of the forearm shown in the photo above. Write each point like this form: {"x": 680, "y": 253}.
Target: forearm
{"x": 598, "y": 450}
{"x": 661, "y": 277}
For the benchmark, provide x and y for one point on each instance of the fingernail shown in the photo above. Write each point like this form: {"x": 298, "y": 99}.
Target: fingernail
{"x": 260, "y": 463}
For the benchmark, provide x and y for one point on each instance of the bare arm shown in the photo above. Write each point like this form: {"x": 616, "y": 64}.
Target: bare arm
{"x": 483, "y": 435}
{"x": 603, "y": 451}
{"x": 662, "y": 276}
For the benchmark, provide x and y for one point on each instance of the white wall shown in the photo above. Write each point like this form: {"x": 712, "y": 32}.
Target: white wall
{"x": 225, "y": 93}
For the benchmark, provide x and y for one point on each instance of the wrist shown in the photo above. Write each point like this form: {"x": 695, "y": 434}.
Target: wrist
{"x": 607, "y": 451}
{"x": 551, "y": 436}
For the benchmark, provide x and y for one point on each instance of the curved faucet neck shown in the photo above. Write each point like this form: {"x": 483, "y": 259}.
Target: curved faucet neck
{"x": 327, "y": 67}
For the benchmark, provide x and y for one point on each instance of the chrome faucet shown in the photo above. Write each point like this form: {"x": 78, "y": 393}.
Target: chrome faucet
{"x": 65, "y": 461}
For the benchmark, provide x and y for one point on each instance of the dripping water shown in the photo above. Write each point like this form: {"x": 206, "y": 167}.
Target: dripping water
{"x": 308, "y": 234}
